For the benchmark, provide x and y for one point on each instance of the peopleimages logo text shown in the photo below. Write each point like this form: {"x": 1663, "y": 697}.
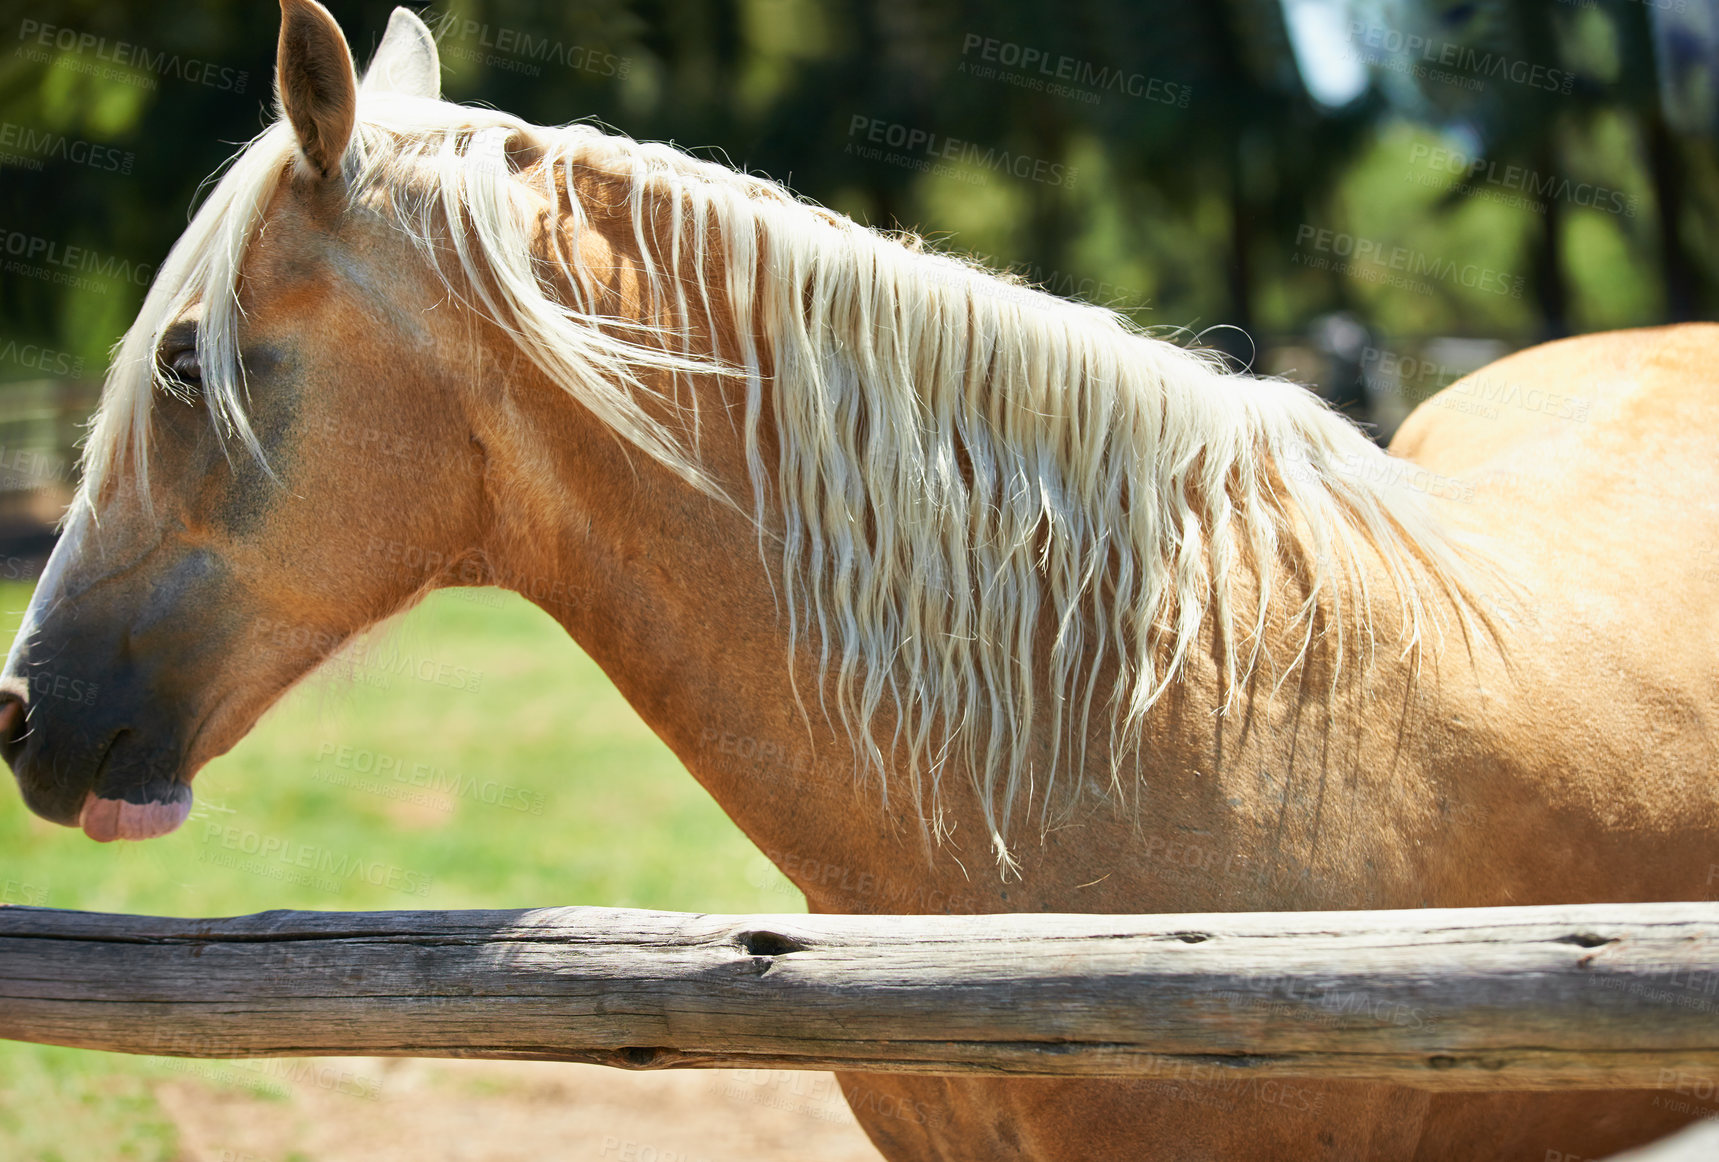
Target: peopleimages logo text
{"x": 23, "y": 145}
{"x": 1058, "y": 73}
{"x": 526, "y": 47}
{"x": 72, "y": 260}
{"x": 933, "y": 146}
{"x": 1401, "y": 260}
{"x": 1372, "y": 41}
{"x": 39, "y": 35}
{"x": 1477, "y": 169}
{"x": 35, "y": 357}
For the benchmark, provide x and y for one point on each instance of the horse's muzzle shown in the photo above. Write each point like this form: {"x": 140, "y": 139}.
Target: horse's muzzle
{"x": 79, "y": 764}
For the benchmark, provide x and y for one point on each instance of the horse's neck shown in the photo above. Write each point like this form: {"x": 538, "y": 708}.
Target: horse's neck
{"x": 673, "y": 595}
{"x": 669, "y": 592}
{"x": 666, "y": 588}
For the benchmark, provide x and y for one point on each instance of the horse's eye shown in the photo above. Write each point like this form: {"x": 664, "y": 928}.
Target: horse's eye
{"x": 184, "y": 367}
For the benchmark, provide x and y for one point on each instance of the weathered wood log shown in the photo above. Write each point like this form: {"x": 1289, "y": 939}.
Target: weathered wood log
{"x": 1490, "y": 998}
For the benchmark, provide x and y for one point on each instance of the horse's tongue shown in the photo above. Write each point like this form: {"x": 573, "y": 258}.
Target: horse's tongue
{"x": 104, "y": 820}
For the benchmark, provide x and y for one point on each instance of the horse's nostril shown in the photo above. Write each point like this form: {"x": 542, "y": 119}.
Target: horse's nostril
{"x": 12, "y": 717}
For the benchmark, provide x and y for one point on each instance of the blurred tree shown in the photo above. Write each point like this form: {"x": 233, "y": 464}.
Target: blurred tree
{"x": 1190, "y": 154}
{"x": 1648, "y": 36}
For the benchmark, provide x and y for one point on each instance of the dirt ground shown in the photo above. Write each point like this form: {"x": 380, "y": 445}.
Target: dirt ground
{"x": 383, "y": 1110}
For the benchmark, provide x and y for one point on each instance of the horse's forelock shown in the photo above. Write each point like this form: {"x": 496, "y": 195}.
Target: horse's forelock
{"x": 202, "y": 269}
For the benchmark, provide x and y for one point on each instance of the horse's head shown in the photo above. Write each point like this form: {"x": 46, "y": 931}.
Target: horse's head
{"x": 292, "y": 395}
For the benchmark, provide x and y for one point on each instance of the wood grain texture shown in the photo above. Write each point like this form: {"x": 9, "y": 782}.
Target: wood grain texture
{"x": 1594, "y": 996}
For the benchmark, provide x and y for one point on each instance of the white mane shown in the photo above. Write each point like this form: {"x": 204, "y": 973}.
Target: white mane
{"x": 989, "y": 497}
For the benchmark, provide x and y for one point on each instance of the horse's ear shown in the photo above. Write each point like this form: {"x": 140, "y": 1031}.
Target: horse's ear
{"x": 406, "y": 61}
{"x": 315, "y": 83}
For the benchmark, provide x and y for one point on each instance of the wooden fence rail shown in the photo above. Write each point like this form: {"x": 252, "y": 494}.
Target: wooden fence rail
{"x": 1451, "y": 999}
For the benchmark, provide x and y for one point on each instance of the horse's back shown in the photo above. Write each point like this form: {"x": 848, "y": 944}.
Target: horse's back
{"x": 1588, "y": 470}
{"x": 1602, "y": 429}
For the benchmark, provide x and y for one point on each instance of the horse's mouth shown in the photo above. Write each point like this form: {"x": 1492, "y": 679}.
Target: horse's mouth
{"x": 105, "y": 820}
{"x": 112, "y": 779}
{"x": 147, "y": 811}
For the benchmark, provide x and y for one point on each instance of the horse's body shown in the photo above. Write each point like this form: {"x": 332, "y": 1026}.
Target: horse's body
{"x": 1553, "y": 748}
{"x": 1580, "y": 773}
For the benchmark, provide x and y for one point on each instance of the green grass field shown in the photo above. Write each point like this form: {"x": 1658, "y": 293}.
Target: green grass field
{"x": 541, "y": 786}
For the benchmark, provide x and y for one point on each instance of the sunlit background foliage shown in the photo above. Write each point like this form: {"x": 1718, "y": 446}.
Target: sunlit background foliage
{"x": 1236, "y": 126}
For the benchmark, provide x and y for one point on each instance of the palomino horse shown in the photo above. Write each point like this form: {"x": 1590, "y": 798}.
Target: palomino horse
{"x": 957, "y": 596}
